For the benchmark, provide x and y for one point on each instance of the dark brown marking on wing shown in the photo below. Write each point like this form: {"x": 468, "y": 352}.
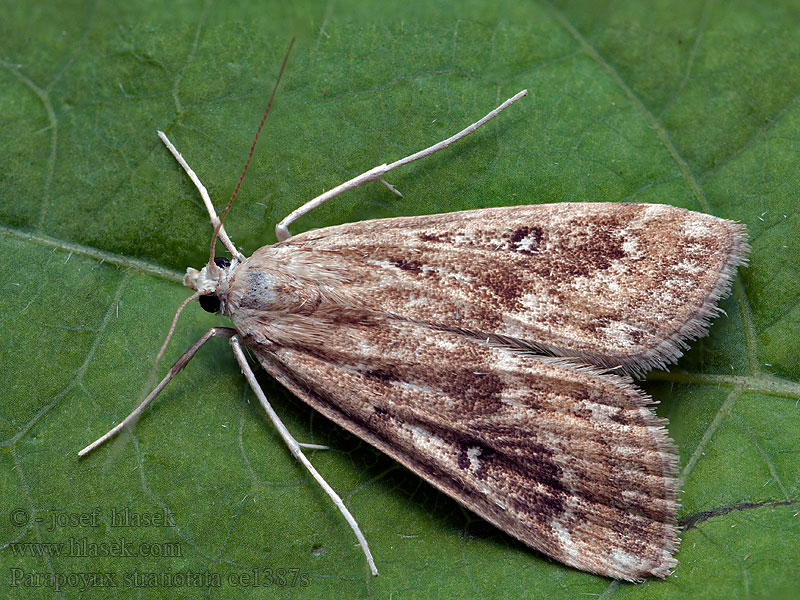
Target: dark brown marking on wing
{"x": 626, "y": 417}
{"x": 531, "y": 235}
{"x": 385, "y": 375}
{"x": 407, "y": 265}
{"x": 433, "y": 237}
{"x": 513, "y": 460}
{"x": 596, "y": 248}
{"x": 478, "y": 393}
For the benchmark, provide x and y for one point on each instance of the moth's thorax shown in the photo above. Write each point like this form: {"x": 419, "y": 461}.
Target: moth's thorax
{"x": 273, "y": 281}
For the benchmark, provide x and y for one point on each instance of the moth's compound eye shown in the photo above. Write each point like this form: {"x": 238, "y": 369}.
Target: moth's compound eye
{"x": 210, "y": 303}
{"x": 222, "y": 262}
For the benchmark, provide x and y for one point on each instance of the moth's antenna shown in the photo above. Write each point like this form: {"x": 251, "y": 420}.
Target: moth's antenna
{"x": 249, "y": 156}
{"x": 174, "y": 323}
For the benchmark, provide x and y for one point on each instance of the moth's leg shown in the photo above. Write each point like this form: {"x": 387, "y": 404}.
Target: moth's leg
{"x": 179, "y": 364}
{"x": 296, "y": 451}
{"x": 282, "y": 228}
{"x": 223, "y": 236}
{"x": 313, "y": 446}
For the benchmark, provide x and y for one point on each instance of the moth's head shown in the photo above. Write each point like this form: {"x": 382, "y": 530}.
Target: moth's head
{"x": 212, "y": 281}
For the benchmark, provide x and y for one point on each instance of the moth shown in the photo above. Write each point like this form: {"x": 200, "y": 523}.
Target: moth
{"x": 490, "y": 352}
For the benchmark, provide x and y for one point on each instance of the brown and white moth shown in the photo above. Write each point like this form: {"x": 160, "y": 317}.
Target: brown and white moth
{"x": 490, "y": 351}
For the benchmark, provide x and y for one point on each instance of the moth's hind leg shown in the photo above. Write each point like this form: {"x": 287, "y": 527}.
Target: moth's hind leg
{"x": 296, "y": 449}
{"x": 282, "y": 228}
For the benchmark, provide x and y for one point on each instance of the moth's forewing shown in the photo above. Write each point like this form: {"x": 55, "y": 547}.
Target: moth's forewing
{"x": 613, "y": 284}
{"x": 570, "y": 461}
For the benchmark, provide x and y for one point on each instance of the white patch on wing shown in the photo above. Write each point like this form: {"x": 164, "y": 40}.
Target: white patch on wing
{"x": 624, "y": 561}
{"x": 690, "y": 268}
{"x": 538, "y": 305}
{"x": 612, "y": 285}
{"x": 631, "y": 247}
{"x": 432, "y": 444}
{"x": 621, "y": 333}
{"x": 696, "y": 228}
{"x": 448, "y": 344}
{"x": 654, "y": 212}
{"x": 568, "y": 547}
{"x": 527, "y": 244}
{"x": 474, "y": 463}
{"x": 414, "y": 300}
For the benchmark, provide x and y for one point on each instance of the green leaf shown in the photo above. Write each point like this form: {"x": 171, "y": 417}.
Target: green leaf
{"x": 684, "y": 103}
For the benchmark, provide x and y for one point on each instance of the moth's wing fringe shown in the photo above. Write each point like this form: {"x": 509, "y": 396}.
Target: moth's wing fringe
{"x": 696, "y": 327}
